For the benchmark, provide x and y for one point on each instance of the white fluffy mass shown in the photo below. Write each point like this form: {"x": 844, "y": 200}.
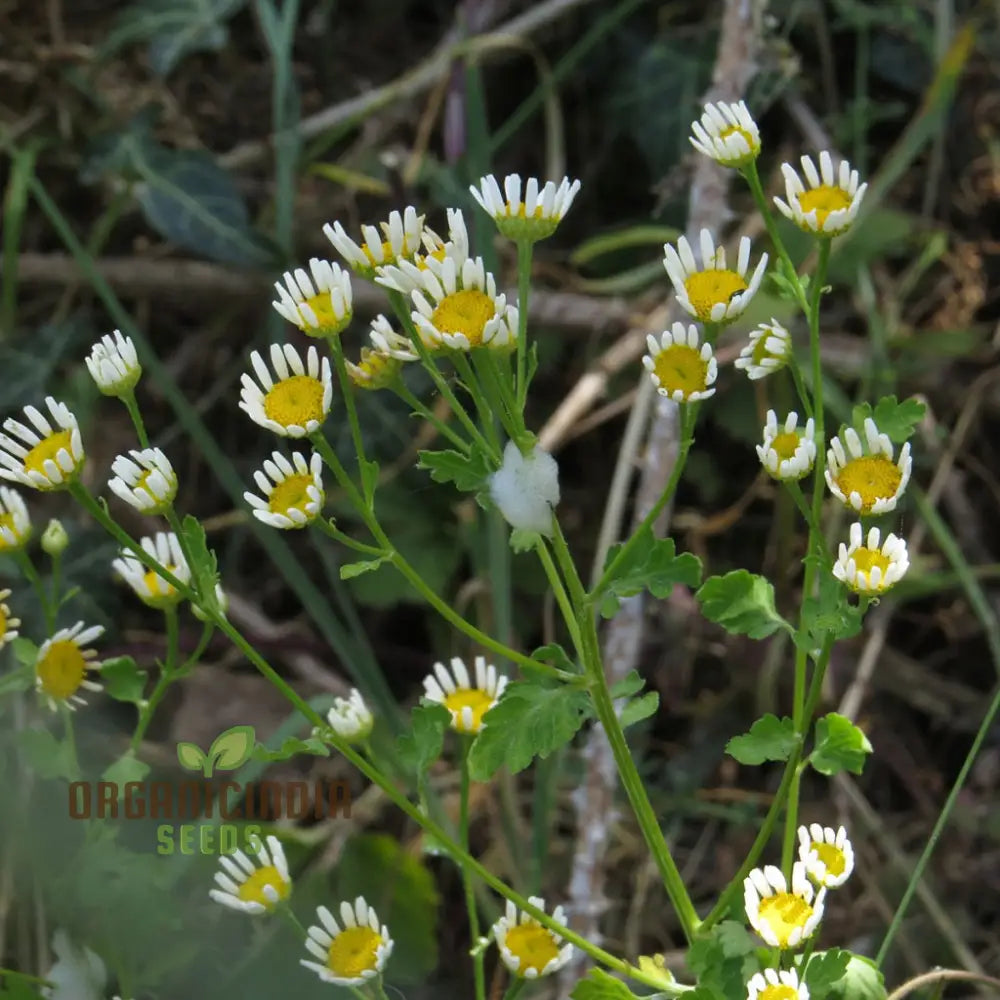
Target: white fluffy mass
{"x": 526, "y": 488}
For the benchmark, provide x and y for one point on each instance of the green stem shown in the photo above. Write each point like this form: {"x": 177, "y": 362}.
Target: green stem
{"x": 484, "y": 407}
{"x": 339, "y": 536}
{"x": 688, "y": 416}
{"x": 347, "y": 391}
{"x": 137, "y": 422}
{"x": 286, "y": 911}
{"x": 442, "y": 607}
{"x": 54, "y": 585}
{"x": 629, "y": 774}
{"x": 33, "y": 577}
{"x": 492, "y": 385}
{"x": 74, "y": 764}
{"x": 470, "y": 895}
{"x": 167, "y": 675}
{"x": 805, "y": 510}
{"x": 442, "y": 428}
{"x": 524, "y": 251}
{"x": 562, "y": 598}
{"x": 515, "y": 988}
{"x": 800, "y": 387}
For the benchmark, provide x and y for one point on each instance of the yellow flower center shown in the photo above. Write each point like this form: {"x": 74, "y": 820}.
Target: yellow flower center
{"x": 466, "y": 312}
{"x": 708, "y": 288}
{"x": 326, "y": 318}
{"x": 761, "y": 349}
{"x": 161, "y": 593}
{"x": 374, "y": 370}
{"x": 872, "y": 477}
{"x": 475, "y": 699}
{"x": 832, "y": 857}
{"x": 294, "y": 401}
{"x": 7, "y": 521}
{"x": 681, "y": 368}
{"x": 354, "y": 952}
{"x": 252, "y": 890}
{"x": 291, "y": 494}
{"x": 3, "y": 624}
{"x": 737, "y": 130}
{"x": 778, "y": 991}
{"x": 62, "y": 669}
{"x": 533, "y": 945}
{"x": 784, "y": 913}
{"x": 47, "y": 449}
{"x": 785, "y": 444}
{"x": 824, "y": 199}
{"x": 388, "y": 257}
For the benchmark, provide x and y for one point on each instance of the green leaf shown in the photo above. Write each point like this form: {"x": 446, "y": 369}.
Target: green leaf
{"x": 530, "y": 720}
{"x": 17, "y": 680}
{"x": 419, "y": 748}
{"x": 123, "y": 680}
{"x": 840, "y": 746}
{"x": 824, "y": 970}
{"x": 291, "y": 747}
{"x": 523, "y": 541}
{"x": 742, "y": 603}
{"x": 204, "y": 565}
{"x": 722, "y": 961}
{"x": 402, "y": 891}
{"x": 48, "y": 757}
{"x": 17, "y": 986}
{"x": 556, "y": 656}
{"x": 232, "y": 748}
{"x": 191, "y": 756}
{"x": 897, "y": 419}
{"x": 770, "y": 738}
{"x": 174, "y": 29}
{"x": 127, "y": 768}
{"x": 467, "y": 472}
{"x": 861, "y": 981}
{"x": 734, "y": 939}
{"x": 650, "y": 564}
{"x": 351, "y": 570}
{"x": 629, "y": 685}
{"x": 369, "y": 478}
{"x": 640, "y": 708}
{"x": 830, "y": 613}
{"x": 599, "y": 985}
{"x": 25, "y": 651}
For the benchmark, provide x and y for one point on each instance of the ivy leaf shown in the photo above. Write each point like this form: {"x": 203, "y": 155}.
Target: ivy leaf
{"x": 48, "y": 757}
{"x": 599, "y": 985}
{"x": 349, "y": 571}
{"x": 742, "y": 603}
{"x": 419, "y": 748}
{"x": 770, "y": 738}
{"x": 530, "y": 720}
{"x": 825, "y": 969}
{"x": 840, "y": 746}
{"x": 651, "y": 564}
{"x": 897, "y": 419}
{"x": 862, "y": 980}
{"x": 467, "y": 472}
{"x": 640, "y": 708}
{"x": 123, "y": 680}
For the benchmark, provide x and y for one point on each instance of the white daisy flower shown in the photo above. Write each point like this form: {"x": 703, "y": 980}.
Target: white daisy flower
{"x": 114, "y": 365}
{"x": 712, "y": 293}
{"x": 353, "y": 954}
{"x": 783, "y": 918}
{"x": 320, "y": 306}
{"x": 292, "y": 491}
{"x": 826, "y": 853}
{"x": 774, "y": 985}
{"x": 405, "y": 276}
{"x": 862, "y": 475}
{"x": 867, "y": 567}
{"x": 534, "y": 217}
{"x": 526, "y": 488}
{"x": 45, "y": 458}
{"x": 297, "y": 403}
{"x": 787, "y": 453}
{"x": 15, "y": 524}
{"x": 144, "y": 479}
{"x": 401, "y": 238}
{"x": 351, "y": 718}
{"x": 527, "y": 948}
{"x": 769, "y": 350}
{"x": 386, "y": 340}
{"x": 467, "y": 702}
{"x": 8, "y": 623}
{"x": 831, "y": 201}
{"x": 62, "y": 664}
{"x": 727, "y": 134}
{"x": 680, "y": 369}
{"x": 459, "y": 308}
{"x": 253, "y": 888}
{"x": 147, "y": 584}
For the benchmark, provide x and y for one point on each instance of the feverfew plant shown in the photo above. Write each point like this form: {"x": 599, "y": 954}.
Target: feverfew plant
{"x": 760, "y": 938}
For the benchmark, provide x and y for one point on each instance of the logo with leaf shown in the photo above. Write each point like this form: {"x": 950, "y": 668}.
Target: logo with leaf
{"x": 229, "y": 750}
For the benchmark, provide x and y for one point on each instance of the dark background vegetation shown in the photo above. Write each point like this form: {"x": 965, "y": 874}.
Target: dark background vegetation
{"x": 118, "y": 112}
